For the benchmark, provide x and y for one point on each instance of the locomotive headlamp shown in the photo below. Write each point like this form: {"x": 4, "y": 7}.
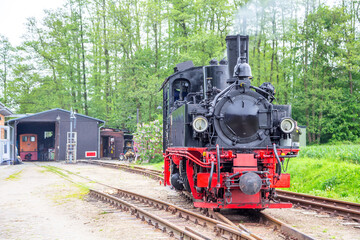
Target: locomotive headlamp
{"x": 287, "y": 125}
{"x": 200, "y": 124}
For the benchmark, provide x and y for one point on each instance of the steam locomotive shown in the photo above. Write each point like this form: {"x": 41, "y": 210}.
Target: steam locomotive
{"x": 224, "y": 141}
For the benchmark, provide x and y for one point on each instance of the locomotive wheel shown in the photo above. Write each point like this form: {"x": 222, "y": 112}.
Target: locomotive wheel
{"x": 186, "y": 184}
{"x": 176, "y": 182}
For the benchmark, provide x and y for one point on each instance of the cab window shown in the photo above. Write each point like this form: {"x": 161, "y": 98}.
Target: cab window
{"x": 24, "y": 138}
{"x": 181, "y": 89}
{"x": 32, "y": 139}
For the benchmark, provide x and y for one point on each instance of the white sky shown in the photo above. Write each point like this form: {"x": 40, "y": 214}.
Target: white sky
{"x": 13, "y": 14}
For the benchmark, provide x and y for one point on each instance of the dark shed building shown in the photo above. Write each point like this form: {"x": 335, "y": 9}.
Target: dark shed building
{"x": 52, "y": 127}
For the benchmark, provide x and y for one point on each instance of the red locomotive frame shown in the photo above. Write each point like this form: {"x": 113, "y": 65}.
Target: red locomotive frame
{"x": 242, "y": 163}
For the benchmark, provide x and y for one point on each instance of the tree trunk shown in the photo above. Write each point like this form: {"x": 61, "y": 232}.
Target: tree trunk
{"x": 107, "y": 65}
{"x": 83, "y": 61}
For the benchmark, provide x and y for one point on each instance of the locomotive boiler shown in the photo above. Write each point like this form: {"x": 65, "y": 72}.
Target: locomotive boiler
{"x": 224, "y": 140}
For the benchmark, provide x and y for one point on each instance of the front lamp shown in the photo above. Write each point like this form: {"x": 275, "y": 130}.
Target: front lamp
{"x": 200, "y": 124}
{"x": 287, "y": 125}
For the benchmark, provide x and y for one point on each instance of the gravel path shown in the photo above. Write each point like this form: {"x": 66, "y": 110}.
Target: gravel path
{"x": 38, "y": 204}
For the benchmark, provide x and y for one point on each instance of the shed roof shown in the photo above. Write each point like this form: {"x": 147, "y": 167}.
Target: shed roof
{"x": 4, "y": 110}
{"x": 52, "y": 110}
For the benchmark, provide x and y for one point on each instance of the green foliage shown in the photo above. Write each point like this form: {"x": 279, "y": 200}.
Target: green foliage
{"x": 148, "y": 139}
{"x": 347, "y": 153}
{"x": 107, "y": 59}
{"x": 325, "y": 177}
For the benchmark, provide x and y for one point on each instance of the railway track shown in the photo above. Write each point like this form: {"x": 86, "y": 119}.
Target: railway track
{"x": 285, "y": 229}
{"x": 348, "y": 210}
{"x": 177, "y": 222}
{"x": 155, "y": 174}
{"x": 334, "y": 207}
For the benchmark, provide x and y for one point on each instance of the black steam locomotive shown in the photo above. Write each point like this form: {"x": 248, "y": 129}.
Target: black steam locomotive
{"x": 224, "y": 140}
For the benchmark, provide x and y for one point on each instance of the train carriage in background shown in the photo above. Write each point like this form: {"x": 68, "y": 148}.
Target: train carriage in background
{"x": 224, "y": 140}
{"x": 29, "y": 147}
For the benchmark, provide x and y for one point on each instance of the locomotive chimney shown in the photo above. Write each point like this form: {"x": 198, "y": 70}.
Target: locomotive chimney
{"x": 238, "y": 56}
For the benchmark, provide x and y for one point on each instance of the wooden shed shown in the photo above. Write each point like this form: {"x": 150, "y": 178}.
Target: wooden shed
{"x": 111, "y": 143}
{"x": 52, "y": 127}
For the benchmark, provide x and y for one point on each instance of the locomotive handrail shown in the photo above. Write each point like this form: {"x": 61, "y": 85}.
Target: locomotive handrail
{"x": 218, "y": 163}
{"x": 211, "y": 175}
{"x": 190, "y": 156}
{"x": 213, "y": 102}
{"x": 278, "y": 166}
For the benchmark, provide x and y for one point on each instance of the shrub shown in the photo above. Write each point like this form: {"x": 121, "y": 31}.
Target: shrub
{"x": 148, "y": 139}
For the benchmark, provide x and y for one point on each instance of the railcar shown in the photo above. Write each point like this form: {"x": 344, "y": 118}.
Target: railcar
{"x": 224, "y": 140}
{"x": 28, "y": 147}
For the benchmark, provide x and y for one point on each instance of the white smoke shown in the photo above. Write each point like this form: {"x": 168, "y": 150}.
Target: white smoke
{"x": 260, "y": 16}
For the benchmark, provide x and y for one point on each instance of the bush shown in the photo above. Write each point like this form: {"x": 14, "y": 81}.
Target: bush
{"x": 148, "y": 139}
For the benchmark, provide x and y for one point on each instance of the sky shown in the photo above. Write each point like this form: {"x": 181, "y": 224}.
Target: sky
{"x": 13, "y": 15}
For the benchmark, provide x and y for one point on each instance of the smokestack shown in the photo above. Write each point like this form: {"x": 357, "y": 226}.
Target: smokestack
{"x": 237, "y": 46}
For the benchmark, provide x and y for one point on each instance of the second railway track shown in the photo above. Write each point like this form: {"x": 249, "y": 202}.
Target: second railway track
{"x": 333, "y": 207}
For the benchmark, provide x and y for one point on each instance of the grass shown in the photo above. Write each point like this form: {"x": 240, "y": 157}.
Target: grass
{"x": 156, "y": 166}
{"x": 104, "y": 212}
{"x": 56, "y": 171}
{"x": 344, "y": 152}
{"x": 325, "y": 177}
{"x": 71, "y": 193}
{"x": 81, "y": 191}
{"x": 14, "y": 176}
{"x": 331, "y": 171}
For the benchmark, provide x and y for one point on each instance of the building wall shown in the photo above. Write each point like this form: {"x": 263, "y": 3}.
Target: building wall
{"x": 87, "y": 137}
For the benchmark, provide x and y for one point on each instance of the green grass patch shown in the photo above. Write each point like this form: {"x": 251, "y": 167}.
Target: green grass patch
{"x": 56, "y": 171}
{"x": 81, "y": 191}
{"x": 332, "y": 178}
{"x": 80, "y": 194}
{"x": 344, "y": 152}
{"x": 156, "y": 166}
{"x": 104, "y": 212}
{"x": 14, "y": 176}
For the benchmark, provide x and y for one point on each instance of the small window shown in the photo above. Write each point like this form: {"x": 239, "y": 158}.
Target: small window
{"x": 24, "y": 138}
{"x": 180, "y": 90}
{"x": 32, "y": 139}
{"x": 48, "y": 134}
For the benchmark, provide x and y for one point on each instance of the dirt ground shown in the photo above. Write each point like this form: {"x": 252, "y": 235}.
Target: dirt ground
{"x": 36, "y": 203}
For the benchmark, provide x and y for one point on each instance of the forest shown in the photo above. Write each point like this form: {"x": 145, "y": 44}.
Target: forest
{"x": 106, "y": 59}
